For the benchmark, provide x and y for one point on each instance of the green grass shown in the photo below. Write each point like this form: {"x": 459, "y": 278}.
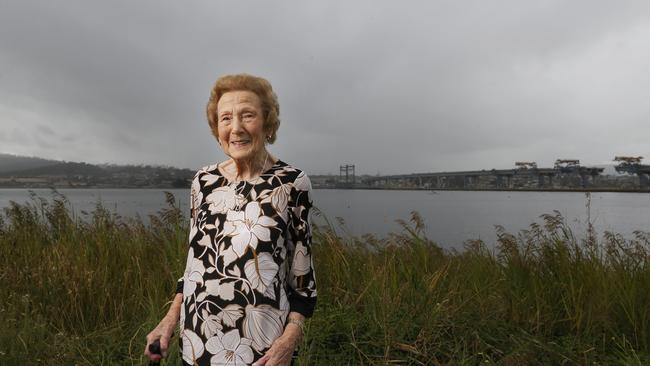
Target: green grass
{"x": 86, "y": 292}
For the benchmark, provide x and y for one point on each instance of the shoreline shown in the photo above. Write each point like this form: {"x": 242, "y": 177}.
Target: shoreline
{"x": 583, "y": 190}
{"x": 578, "y": 190}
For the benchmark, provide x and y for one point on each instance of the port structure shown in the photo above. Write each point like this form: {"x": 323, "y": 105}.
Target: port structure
{"x": 632, "y": 165}
{"x": 526, "y": 175}
{"x": 347, "y": 177}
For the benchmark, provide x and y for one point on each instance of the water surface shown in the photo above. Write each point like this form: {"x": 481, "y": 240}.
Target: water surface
{"x": 451, "y": 217}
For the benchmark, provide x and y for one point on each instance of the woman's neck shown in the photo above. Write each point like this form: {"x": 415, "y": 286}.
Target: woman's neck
{"x": 237, "y": 170}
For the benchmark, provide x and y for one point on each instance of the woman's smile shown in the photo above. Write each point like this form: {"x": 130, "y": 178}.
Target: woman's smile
{"x": 240, "y": 143}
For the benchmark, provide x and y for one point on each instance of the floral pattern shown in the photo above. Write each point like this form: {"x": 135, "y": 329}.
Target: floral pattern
{"x": 229, "y": 349}
{"x": 223, "y": 199}
{"x": 249, "y": 264}
{"x": 248, "y": 227}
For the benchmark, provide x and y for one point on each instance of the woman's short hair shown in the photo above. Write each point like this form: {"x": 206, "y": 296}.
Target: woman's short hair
{"x": 245, "y": 82}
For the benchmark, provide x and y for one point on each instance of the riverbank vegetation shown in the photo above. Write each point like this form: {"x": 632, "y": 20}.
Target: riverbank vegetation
{"x": 86, "y": 290}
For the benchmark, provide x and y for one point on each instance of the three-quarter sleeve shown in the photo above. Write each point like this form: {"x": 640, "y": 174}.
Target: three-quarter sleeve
{"x": 179, "y": 285}
{"x": 301, "y": 275}
{"x": 195, "y": 201}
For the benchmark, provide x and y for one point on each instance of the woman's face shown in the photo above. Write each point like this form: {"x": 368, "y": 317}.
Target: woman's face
{"x": 240, "y": 123}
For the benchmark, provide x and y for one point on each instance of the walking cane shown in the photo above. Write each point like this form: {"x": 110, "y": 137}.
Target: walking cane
{"x": 155, "y": 349}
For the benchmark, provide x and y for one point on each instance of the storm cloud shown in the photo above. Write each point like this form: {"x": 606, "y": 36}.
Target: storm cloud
{"x": 392, "y": 87}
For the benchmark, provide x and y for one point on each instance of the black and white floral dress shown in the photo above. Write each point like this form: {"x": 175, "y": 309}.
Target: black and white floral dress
{"x": 249, "y": 264}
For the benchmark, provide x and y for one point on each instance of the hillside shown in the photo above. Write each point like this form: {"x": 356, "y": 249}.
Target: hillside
{"x": 9, "y": 162}
{"x": 27, "y": 172}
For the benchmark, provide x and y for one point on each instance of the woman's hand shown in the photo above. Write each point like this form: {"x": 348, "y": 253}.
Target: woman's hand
{"x": 282, "y": 348}
{"x": 164, "y": 330}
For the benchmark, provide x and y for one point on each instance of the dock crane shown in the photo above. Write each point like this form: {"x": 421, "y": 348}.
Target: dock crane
{"x": 632, "y": 165}
{"x": 567, "y": 165}
{"x": 628, "y": 164}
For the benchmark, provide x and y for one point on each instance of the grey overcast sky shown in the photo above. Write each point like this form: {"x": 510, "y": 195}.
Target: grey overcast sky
{"x": 391, "y": 86}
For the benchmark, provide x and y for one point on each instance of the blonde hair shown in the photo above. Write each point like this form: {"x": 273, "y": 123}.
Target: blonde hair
{"x": 245, "y": 82}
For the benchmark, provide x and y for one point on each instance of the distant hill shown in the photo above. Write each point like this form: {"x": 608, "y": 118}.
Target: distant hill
{"x": 21, "y": 171}
{"x": 62, "y": 169}
{"x": 9, "y": 162}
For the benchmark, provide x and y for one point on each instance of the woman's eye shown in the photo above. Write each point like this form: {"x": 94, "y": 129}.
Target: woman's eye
{"x": 248, "y": 115}
{"x": 225, "y": 119}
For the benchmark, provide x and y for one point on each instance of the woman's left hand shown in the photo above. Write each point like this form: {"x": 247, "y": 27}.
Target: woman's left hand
{"x": 280, "y": 352}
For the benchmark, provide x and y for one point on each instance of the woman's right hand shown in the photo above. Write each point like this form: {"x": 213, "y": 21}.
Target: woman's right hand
{"x": 163, "y": 332}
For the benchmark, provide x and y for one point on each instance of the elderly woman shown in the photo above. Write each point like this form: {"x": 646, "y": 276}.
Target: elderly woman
{"x": 249, "y": 281}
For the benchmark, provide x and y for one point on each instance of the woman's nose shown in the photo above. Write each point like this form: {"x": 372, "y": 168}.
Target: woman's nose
{"x": 236, "y": 124}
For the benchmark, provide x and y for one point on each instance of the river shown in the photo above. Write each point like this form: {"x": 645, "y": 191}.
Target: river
{"x": 451, "y": 217}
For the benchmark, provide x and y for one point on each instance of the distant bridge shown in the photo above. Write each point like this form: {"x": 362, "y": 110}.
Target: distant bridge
{"x": 533, "y": 178}
{"x": 566, "y": 173}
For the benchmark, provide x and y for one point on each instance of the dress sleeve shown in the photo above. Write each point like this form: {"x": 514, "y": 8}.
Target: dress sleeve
{"x": 301, "y": 274}
{"x": 194, "y": 202}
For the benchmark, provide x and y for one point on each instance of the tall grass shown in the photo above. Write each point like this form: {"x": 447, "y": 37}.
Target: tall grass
{"x": 86, "y": 290}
